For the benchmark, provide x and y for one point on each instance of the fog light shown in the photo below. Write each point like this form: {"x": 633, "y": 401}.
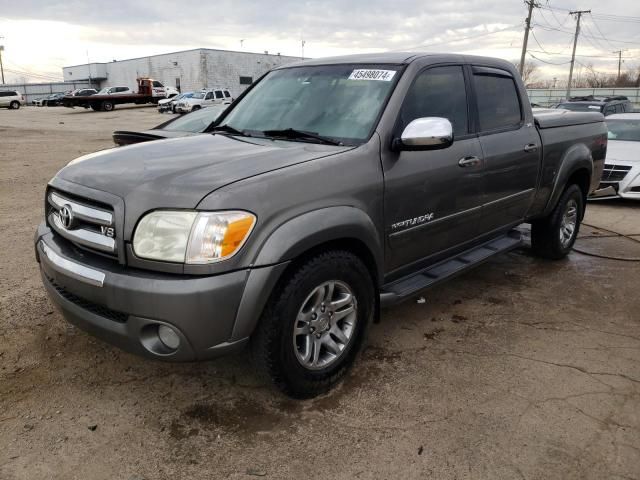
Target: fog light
{"x": 168, "y": 337}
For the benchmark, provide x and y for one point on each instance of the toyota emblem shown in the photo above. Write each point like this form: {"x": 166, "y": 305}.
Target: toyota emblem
{"x": 66, "y": 216}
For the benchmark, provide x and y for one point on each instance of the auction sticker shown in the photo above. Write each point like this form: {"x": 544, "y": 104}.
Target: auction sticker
{"x": 367, "y": 74}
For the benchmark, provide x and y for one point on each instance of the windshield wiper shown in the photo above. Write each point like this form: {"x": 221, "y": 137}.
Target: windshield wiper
{"x": 229, "y": 129}
{"x": 292, "y": 133}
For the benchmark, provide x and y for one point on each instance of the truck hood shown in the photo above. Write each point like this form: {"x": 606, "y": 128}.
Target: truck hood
{"x": 179, "y": 172}
{"x": 623, "y": 150}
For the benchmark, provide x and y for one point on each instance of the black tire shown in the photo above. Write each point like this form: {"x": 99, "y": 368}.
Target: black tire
{"x": 546, "y": 232}
{"x": 195, "y": 107}
{"x": 273, "y": 343}
{"x": 14, "y": 105}
{"x": 96, "y": 107}
{"x": 107, "y": 106}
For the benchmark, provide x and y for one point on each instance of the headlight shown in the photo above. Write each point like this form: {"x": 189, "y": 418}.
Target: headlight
{"x": 192, "y": 237}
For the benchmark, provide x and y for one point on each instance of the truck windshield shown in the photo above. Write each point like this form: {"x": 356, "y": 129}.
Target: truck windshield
{"x": 628, "y": 130}
{"x": 340, "y": 102}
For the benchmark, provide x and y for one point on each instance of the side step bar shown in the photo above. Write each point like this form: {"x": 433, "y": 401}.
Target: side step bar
{"x": 409, "y": 286}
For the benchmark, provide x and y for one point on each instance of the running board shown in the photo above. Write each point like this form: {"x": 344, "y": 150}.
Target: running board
{"x": 411, "y": 285}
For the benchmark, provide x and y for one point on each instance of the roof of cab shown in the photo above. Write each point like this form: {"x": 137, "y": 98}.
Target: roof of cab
{"x": 398, "y": 58}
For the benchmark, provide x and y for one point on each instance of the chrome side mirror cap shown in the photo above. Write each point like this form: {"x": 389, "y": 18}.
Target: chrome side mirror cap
{"x": 427, "y": 133}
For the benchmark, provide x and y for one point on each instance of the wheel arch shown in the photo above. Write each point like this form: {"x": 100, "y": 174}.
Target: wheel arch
{"x": 575, "y": 167}
{"x": 334, "y": 228}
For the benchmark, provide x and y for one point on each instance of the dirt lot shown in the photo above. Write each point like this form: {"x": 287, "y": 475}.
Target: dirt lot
{"x": 521, "y": 369}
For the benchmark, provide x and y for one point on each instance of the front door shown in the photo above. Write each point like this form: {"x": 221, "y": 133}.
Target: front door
{"x": 431, "y": 198}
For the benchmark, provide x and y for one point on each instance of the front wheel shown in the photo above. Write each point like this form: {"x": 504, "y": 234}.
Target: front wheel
{"x": 314, "y": 325}
{"x": 107, "y": 106}
{"x": 553, "y": 236}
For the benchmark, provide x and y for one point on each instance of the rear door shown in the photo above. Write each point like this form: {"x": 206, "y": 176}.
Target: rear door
{"x": 510, "y": 147}
{"x": 432, "y": 199}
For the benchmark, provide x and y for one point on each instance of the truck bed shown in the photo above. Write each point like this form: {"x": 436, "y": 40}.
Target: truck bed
{"x": 556, "y": 117}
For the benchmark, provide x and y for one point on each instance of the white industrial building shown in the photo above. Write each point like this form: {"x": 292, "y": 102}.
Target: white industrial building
{"x": 187, "y": 70}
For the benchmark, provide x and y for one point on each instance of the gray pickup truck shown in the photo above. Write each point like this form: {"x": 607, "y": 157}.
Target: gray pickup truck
{"x": 329, "y": 189}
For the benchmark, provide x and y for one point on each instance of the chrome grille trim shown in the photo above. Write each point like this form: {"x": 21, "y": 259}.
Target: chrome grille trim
{"x": 83, "y": 237}
{"x": 82, "y": 212}
{"x": 73, "y": 269}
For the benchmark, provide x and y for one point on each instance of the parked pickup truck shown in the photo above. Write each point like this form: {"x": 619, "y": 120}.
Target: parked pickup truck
{"x": 329, "y": 189}
{"x": 149, "y": 91}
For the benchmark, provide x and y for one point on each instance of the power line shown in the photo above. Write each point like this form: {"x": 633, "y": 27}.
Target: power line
{"x": 547, "y": 62}
{"x": 546, "y": 27}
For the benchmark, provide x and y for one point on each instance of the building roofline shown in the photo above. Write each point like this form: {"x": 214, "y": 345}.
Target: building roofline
{"x": 184, "y": 51}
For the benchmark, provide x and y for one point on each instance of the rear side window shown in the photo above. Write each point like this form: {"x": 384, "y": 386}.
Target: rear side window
{"x": 438, "y": 92}
{"x": 227, "y": 94}
{"x": 219, "y": 94}
{"x": 498, "y": 101}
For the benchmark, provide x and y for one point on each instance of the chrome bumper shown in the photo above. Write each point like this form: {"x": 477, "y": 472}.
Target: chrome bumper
{"x": 73, "y": 269}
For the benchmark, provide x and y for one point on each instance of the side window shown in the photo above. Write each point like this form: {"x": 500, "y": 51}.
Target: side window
{"x": 209, "y": 96}
{"x": 4, "y": 94}
{"x": 156, "y": 84}
{"x": 219, "y": 94}
{"x": 619, "y": 108}
{"x": 609, "y": 110}
{"x": 438, "y": 92}
{"x": 498, "y": 102}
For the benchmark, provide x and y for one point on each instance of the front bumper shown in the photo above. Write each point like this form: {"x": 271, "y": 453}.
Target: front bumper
{"x": 184, "y": 108}
{"x": 629, "y": 186}
{"x": 125, "y": 306}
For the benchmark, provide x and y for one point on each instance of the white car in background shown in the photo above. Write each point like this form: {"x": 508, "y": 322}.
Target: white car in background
{"x": 119, "y": 90}
{"x": 622, "y": 165}
{"x": 11, "y": 99}
{"x": 169, "y": 104}
{"x": 204, "y": 98}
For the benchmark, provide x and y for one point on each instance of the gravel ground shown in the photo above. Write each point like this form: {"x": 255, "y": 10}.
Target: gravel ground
{"x": 520, "y": 369}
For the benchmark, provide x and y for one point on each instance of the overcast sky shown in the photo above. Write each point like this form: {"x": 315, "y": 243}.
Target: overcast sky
{"x": 40, "y": 36}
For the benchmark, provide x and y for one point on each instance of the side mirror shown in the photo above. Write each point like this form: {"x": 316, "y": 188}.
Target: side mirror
{"x": 428, "y": 133}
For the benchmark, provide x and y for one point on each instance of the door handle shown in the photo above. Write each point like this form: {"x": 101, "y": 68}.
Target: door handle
{"x": 531, "y": 147}
{"x": 469, "y": 161}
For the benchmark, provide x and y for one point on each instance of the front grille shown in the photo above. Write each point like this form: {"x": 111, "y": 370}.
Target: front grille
{"x": 88, "y": 305}
{"x": 85, "y": 223}
{"x": 614, "y": 173}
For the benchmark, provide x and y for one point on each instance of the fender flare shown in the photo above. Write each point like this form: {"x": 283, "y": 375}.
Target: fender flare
{"x": 292, "y": 239}
{"x": 575, "y": 158}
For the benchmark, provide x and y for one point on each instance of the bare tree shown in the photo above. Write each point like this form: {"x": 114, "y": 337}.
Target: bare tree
{"x": 529, "y": 71}
{"x": 595, "y": 79}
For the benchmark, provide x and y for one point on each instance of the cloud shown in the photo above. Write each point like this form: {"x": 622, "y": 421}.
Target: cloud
{"x": 124, "y": 29}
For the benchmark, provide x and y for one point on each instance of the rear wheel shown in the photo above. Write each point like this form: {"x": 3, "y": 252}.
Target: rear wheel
{"x": 553, "y": 236}
{"x": 107, "y": 106}
{"x": 15, "y": 105}
{"x": 314, "y": 324}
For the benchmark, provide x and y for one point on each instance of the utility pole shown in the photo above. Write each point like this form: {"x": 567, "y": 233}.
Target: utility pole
{"x": 619, "y": 52}
{"x": 575, "y": 43}
{"x": 1, "y": 67}
{"x": 302, "y": 42}
{"x": 531, "y": 4}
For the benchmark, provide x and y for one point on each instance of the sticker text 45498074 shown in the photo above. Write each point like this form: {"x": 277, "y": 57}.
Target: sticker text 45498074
{"x": 369, "y": 74}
